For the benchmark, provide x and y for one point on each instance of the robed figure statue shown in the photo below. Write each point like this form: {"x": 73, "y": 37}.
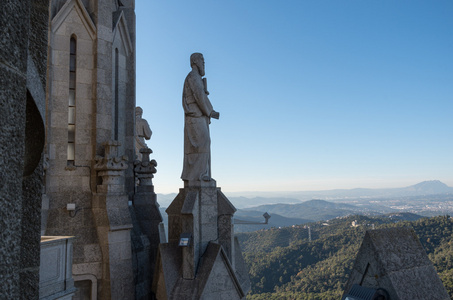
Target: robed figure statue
{"x": 198, "y": 112}
{"x": 142, "y": 132}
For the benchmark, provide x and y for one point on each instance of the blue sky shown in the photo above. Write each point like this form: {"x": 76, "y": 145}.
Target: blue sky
{"x": 312, "y": 94}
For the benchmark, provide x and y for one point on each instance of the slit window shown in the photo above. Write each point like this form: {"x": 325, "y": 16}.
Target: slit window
{"x": 116, "y": 92}
{"x": 72, "y": 101}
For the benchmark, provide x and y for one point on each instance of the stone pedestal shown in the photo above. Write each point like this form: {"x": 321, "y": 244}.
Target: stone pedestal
{"x": 113, "y": 223}
{"x": 211, "y": 262}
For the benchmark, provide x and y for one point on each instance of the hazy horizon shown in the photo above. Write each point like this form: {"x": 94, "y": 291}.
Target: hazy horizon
{"x": 320, "y": 190}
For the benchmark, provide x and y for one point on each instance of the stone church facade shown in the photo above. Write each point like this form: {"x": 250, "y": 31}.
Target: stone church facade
{"x": 89, "y": 152}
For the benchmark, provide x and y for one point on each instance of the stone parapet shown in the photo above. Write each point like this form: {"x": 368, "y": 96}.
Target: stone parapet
{"x": 55, "y": 271}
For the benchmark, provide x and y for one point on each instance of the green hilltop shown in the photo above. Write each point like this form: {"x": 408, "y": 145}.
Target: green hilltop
{"x": 285, "y": 265}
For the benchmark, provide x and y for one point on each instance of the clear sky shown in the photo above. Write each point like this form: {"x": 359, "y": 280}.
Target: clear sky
{"x": 312, "y": 94}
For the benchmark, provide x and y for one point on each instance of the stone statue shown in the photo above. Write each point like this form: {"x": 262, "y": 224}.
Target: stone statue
{"x": 198, "y": 112}
{"x": 142, "y": 132}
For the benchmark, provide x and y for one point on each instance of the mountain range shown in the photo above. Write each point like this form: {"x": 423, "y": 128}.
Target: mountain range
{"x": 428, "y": 198}
{"x": 314, "y": 210}
{"x": 253, "y": 199}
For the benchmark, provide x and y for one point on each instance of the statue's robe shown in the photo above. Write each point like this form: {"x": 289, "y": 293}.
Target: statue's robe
{"x": 197, "y": 142}
{"x": 142, "y": 132}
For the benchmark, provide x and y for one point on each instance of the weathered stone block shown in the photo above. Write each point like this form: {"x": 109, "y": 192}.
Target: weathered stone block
{"x": 85, "y": 93}
{"x": 59, "y": 120}
{"x": 85, "y": 50}
{"x": 88, "y": 268}
{"x": 105, "y": 32}
{"x": 61, "y": 73}
{"x": 84, "y": 75}
{"x": 60, "y": 42}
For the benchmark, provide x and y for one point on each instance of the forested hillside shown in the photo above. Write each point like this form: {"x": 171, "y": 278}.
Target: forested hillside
{"x": 285, "y": 265}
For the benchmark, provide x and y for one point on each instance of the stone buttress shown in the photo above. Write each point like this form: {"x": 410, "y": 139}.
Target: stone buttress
{"x": 113, "y": 225}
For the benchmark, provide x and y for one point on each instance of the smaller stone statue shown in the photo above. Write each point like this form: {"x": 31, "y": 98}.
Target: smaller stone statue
{"x": 142, "y": 132}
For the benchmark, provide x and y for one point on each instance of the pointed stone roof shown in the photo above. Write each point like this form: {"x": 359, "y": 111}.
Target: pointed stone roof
{"x": 394, "y": 259}
{"x": 242, "y": 272}
{"x": 225, "y": 207}
{"x": 120, "y": 29}
{"x": 176, "y": 205}
{"x": 214, "y": 267}
{"x": 66, "y": 9}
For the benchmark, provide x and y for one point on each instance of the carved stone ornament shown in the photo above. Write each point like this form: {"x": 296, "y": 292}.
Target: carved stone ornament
{"x": 111, "y": 167}
{"x": 145, "y": 169}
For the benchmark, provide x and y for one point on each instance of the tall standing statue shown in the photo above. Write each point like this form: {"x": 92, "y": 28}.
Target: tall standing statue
{"x": 142, "y": 132}
{"x": 198, "y": 112}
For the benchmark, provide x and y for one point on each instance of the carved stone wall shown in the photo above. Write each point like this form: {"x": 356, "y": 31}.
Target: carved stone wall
{"x": 23, "y": 43}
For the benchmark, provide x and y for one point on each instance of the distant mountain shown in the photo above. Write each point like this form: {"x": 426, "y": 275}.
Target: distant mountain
{"x": 311, "y": 210}
{"x": 253, "y": 199}
{"x": 243, "y": 202}
{"x": 429, "y": 188}
{"x": 432, "y": 187}
{"x": 287, "y": 211}
{"x": 165, "y": 200}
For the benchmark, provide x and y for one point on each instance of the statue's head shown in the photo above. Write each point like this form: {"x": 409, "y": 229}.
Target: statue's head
{"x": 197, "y": 60}
{"x": 138, "y": 111}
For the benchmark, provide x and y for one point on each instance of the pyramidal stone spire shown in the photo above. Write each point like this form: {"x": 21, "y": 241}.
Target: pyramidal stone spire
{"x": 392, "y": 262}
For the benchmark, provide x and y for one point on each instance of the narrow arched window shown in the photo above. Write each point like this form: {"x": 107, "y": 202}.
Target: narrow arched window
{"x": 116, "y": 92}
{"x": 72, "y": 100}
